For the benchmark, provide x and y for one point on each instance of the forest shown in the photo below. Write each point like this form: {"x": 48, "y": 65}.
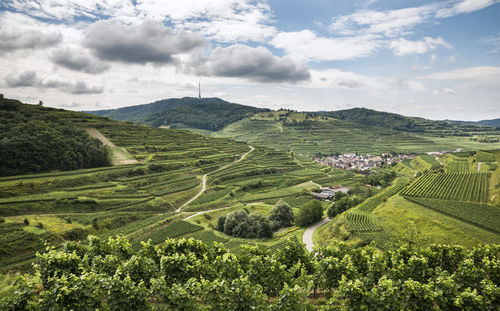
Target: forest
{"x": 33, "y": 139}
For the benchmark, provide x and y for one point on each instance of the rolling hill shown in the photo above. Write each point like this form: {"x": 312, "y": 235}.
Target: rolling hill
{"x": 309, "y": 133}
{"x": 206, "y": 113}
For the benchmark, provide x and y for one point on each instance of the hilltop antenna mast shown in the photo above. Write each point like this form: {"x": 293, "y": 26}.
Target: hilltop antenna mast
{"x": 199, "y": 90}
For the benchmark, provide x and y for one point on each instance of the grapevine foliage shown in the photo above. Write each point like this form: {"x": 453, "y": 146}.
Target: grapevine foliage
{"x": 190, "y": 275}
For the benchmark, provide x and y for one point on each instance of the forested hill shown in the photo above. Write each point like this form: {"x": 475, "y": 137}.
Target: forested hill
{"x": 207, "y": 113}
{"x": 492, "y": 122}
{"x": 35, "y": 139}
{"x": 408, "y": 124}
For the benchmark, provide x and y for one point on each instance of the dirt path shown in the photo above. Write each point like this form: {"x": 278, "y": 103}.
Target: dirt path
{"x": 316, "y": 184}
{"x": 307, "y": 238}
{"x": 298, "y": 162}
{"x": 120, "y": 155}
{"x": 204, "y": 179}
{"x": 437, "y": 159}
{"x": 96, "y": 134}
{"x": 479, "y": 166}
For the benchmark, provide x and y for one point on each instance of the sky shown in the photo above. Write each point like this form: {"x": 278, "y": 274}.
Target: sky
{"x": 432, "y": 59}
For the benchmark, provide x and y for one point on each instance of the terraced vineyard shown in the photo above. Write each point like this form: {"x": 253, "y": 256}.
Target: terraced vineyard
{"x": 467, "y": 187}
{"x": 361, "y": 222}
{"x": 378, "y": 199}
{"x": 457, "y": 166}
{"x": 306, "y": 134}
{"x": 484, "y": 156}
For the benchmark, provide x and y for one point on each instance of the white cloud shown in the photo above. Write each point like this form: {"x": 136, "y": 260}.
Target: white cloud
{"x": 305, "y": 45}
{"x": 465, "y": 6}
{"x": 483, "y": 77}
{"x": 148, "y": 42}
{"x": 222, "y": 20}
{"x": 392, "y": 23}
{"x": 492, "y": 41}
{"x": 256, "y": 64}
{"x": 334, "y": 78}
{"x": 32, "y": 79}
{"x": 388, "y": 23}
{"x": 481, "y": 72}
{"x": 449, "y": 91}
{"x": 78, "y": 60}
{"x": 411, "y": 85}
{"x": 403, "y": 47}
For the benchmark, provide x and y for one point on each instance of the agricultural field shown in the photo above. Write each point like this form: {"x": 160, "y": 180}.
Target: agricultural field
{"x": 466, "y": 187}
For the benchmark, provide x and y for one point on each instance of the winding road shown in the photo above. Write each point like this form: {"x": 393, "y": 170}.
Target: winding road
{"x": 307, "y": 238}
{"x": 204, "y": 179}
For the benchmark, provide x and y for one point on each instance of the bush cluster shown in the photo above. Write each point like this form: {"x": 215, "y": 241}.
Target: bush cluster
{"x": 242, "y": 224}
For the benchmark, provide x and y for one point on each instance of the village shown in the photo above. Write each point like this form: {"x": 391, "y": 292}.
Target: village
{"x": 353, "y": 161}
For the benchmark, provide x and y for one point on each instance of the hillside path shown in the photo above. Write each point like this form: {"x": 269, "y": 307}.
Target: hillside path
{"x": 316, "y": 184}
{"x": 204, "y": 179}
{"x": 96, "y": 134}
{"x": 439, "y": 160}
{"x": 307, "y": 238}
{"x": 120, "y": 155}
{"x": 479, "y": 166}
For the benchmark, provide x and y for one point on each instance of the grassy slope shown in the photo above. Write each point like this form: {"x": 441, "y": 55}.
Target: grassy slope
{"x": 400, "y": 216}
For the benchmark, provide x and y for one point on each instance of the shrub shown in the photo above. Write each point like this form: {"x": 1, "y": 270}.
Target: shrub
{"x": 281, "y": 215}
{"x": 39, "y": 225}
{"x": 220, "y": 223}
{"x": 309, "y": 213}
{"x": 95, "y": 223}
{"x": 26, "y": 221}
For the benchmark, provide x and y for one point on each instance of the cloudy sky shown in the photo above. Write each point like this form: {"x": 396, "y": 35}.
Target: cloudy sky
{"x": 435, "y": 59}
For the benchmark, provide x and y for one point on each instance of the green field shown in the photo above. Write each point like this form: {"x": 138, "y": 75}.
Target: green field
{"x": 467, "y": 187}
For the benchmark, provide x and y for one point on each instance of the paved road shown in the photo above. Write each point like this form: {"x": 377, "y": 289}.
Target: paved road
{"x": 204, "y": 179}
{"x": 307, "y": 238}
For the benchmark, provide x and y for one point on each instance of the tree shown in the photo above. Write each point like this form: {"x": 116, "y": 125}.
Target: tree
{"x": 243, "y": 225}
{"x": 342, "y": 205}
{"x": 40, "y": 103}
{"x": 309, "y": 213}
{"x": 95, "y": 223}
{"x": 220, "y": 223}
{"x": 281, "y": 215}
{"x": 1, "y": 96}
{"x": 26, "y": 222}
